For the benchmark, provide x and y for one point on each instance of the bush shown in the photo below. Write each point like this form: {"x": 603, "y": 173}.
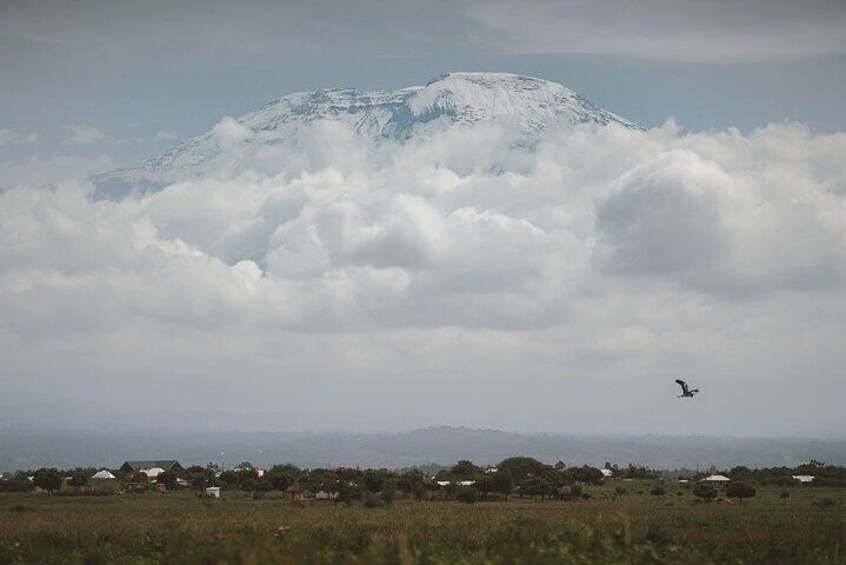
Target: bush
{"x": 467, "y": 495}
{"x": 371, "y": 501}
{"x": 740, "y": 491}
{"x": 705, "y": 492}
{"x": 389, "y": 492}
{"x": 658, "y": 491}
{"x": 826, "y": 502}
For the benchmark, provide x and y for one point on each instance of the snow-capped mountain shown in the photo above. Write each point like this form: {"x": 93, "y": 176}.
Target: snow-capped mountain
{"x": 530, "y": 104}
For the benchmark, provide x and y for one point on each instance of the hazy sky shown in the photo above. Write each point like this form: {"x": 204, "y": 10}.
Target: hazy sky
{"x": 455, "y": 281}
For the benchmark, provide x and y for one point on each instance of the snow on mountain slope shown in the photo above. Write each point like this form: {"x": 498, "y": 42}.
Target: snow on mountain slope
{"x": 531, "y": 105}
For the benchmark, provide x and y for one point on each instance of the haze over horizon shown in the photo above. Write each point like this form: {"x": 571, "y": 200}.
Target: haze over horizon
{"x": 485, "y": 250}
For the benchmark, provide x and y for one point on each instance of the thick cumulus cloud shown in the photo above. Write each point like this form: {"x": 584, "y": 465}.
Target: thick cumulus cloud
{"x": 459, "y": 229}
{"x": 592, "y": 251}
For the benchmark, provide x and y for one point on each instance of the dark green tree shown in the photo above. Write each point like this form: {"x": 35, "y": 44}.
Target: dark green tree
{"x": 18, "y": 483}
{"x": 705, "y": 492}
{"x": 78, "y": 480}
{"x": 502, "y": 482}
{"x": 485, "y": 485}
{"x": 537, "y": 487}
{"x": 467, "y": 495}
{"x": 168, "y": 479}
{"x": 521, "y": 468}
{"x": 373, "y": 480}
{"x": 739, "y": 491}
{"x": 585, "y": 474}
{"x": 465, "y": 470}
{"x": 48, "y": 479}
{"x": 281, "y": 476}
{"x": 412, "y": 482}
{"x": 388, "y": 493}
{"x": 200, "y": 477}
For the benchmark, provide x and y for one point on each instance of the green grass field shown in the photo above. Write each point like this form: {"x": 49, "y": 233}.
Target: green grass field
{"x": 635, "y": 528}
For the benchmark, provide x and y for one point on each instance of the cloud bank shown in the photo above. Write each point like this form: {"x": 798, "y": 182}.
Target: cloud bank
{"x": 714, "y": 32}
{"x": 458, "y": 261}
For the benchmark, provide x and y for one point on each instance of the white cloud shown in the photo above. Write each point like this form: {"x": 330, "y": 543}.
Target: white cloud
{"x": 169, "y": 135}
{"x": 680, "y": 30}
{"x": 85, "y": 135}
{"x": 39, "y": 170}
{"x": 11, "y": 137}
{"x": 595, "y": 253}
{"x": 229, "y": 131}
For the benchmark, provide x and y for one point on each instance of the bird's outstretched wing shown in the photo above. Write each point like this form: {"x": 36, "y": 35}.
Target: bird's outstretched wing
{"x": 683, "y": 385}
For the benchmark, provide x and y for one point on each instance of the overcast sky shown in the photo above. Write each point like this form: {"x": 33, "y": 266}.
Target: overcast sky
{"x": 455, "y": 281}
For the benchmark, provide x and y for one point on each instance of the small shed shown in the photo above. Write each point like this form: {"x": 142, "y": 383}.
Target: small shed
{"x": 606, "y": 473}
{"x": 213, "y": 492}
{"x": 804, "y": 479}
{"x": 716, "y": 479}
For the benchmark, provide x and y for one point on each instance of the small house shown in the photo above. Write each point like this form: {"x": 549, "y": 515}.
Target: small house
{"x": 716, "y": 479}
{"x": 804, "y": 479}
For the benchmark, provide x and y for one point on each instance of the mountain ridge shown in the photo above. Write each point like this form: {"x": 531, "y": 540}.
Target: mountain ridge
{"x": 441, "y": 444}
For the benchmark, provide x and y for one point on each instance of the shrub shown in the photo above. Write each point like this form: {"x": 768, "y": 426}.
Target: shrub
{"x": 739, "y": 491}
{"x": 388, "y": 493}
{"x": 467, "y": 495}
{"x": 705, "y": 492}
{"x": 371, "y": 501}
{"x": 658, "y": 491}
{"x": 826, "y": 502}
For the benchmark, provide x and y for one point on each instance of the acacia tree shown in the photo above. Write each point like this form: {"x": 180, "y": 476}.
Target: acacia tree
{"x": 168, "y": 479}
{"x": 48, "y": 479}
{"x": 537, "y": 486}
{"x": 465, "y": 470}
{"x": 503, "y": 483}
{"x": 705, "y": 492}
{"x": 739, "y": 491}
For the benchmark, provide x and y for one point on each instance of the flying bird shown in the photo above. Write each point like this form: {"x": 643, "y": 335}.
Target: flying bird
{"x": 686, "y": 392}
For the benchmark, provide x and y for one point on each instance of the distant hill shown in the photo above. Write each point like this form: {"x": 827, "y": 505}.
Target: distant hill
{"x": 442, "y": 445}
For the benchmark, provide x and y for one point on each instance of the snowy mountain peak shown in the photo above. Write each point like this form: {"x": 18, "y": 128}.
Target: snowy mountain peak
{"x": 531, "y": 105}
{"x": 533, "y": 102}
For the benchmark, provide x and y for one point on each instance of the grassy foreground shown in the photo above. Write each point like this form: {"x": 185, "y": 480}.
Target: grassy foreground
{"x": 635, "y": 528}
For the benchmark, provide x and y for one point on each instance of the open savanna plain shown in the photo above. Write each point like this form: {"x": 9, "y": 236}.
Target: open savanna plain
{"x": 807, "y": 526}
